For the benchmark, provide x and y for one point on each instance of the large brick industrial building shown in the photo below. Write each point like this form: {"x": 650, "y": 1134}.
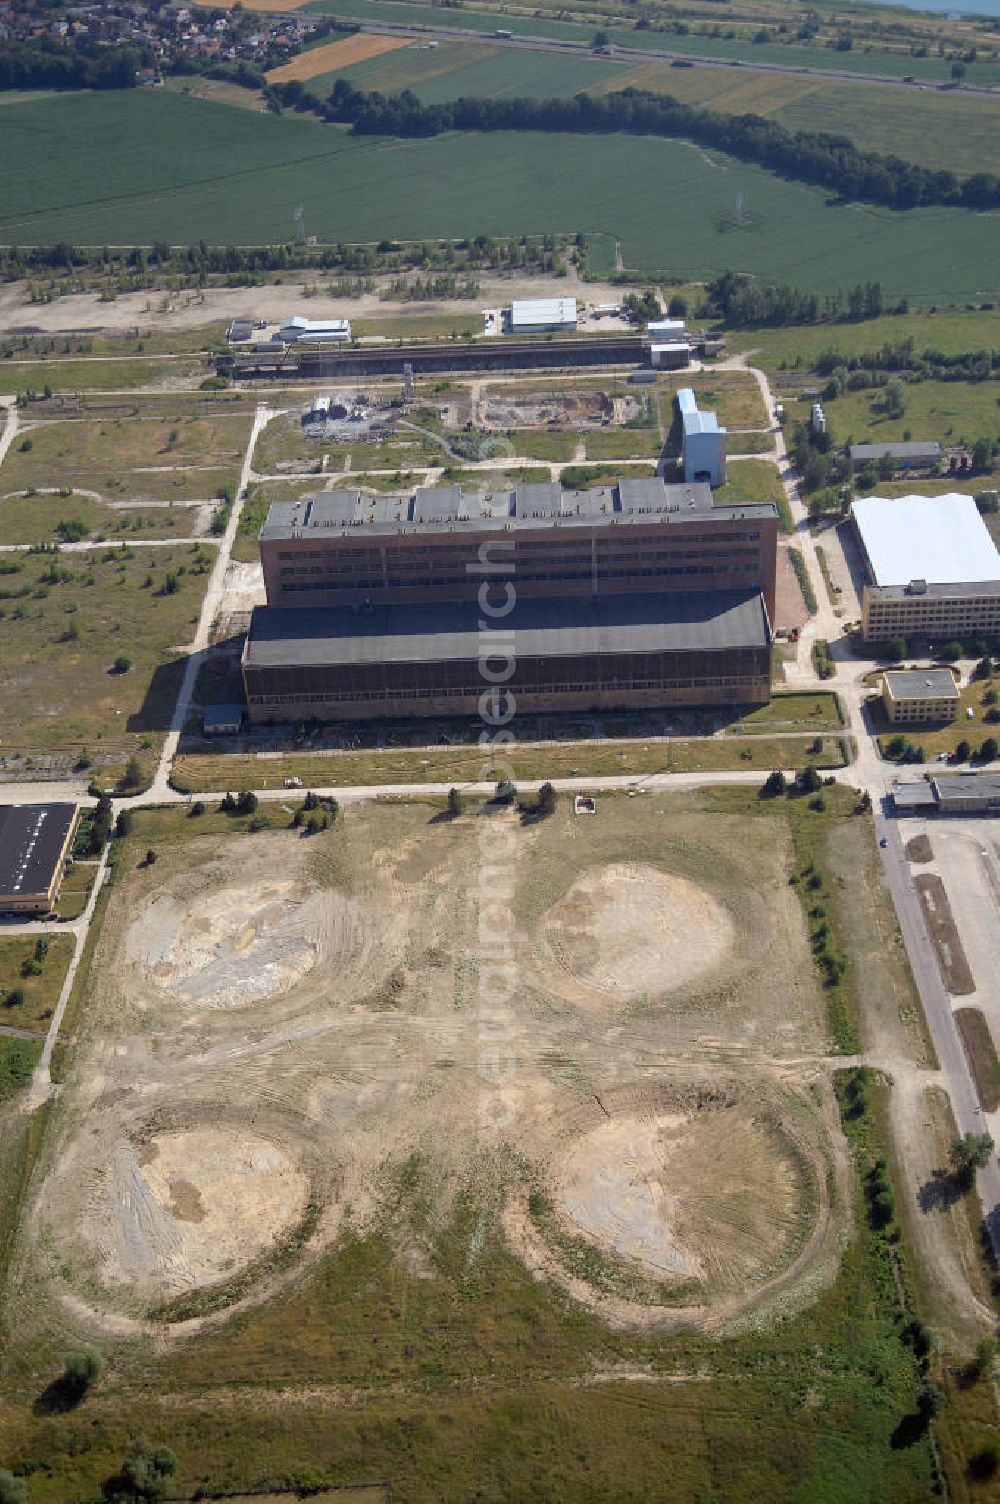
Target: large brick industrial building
{"x": 634, "y": 594}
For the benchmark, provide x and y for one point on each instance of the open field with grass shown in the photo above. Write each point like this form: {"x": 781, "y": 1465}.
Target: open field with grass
{"x": 197, "y": 772}
{"x": 66, "y": 618}
{"x": 953, "y": 412}
{"x": 37, "y": 519}
{"x": 750, "y": 480}
{"x": 18, "y": 1058}
{"x": 483, "y": 1295}
{"x": 733, "y": 395}
{"x": 246, "y": 186}
{"x": 41, "y": 990}
{"x": 121, "y": 465}
{"x": 84, "y": 374}
{"x": 952, "y": 330}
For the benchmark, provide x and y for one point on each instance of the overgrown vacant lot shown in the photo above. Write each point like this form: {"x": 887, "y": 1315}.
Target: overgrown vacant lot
{"x": 243, "y": 188}
{"x": 733, "y": 395}
{"x": 950, "y": 411}
{"x": 18, "y": 961}
{"x": 283, "y": 1132}
{"x": 750, "y": 480}
{"x": 953, "y": 331}
{"x": 129, "y": 459}
{"x": 128, "y": 374}
{"x": 66, "y": 619}
{"x": 43, "y": 518}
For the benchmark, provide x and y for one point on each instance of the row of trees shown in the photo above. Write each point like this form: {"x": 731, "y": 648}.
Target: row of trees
{"x": 833, "y": 162}
{"x": 854, "y": 370}
{"x": 141, "y": 266}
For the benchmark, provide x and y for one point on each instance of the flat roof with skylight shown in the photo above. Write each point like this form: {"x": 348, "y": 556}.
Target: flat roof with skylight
{"x": 938, "y": 540}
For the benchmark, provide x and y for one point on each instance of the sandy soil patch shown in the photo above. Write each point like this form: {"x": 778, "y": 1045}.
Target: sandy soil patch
{"x": 681, "y": 1205}
{"x": 230, "y": 947}
{"x": 194, "y": 309}
{"x": 630, "y": 930}
{"x": 712, "y": 1194}
{"x": 333, "y": 55}
{"x": 188, "y": 1209}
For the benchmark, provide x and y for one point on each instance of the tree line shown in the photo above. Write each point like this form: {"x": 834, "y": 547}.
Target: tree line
{"x": 830, "y": 161}
{"x": 742, "y": 302}
{"x": 47, "y": 64}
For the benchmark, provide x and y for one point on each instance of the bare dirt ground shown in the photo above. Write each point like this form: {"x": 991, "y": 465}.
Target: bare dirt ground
{"x": 275, "y": 1025}
{"x": 955, "y": 968}
{"x": 194, "y": 309}
{"x": 628, "y": 929}
{"x": 790, "y": 610}
{"x": 919, "y": 849}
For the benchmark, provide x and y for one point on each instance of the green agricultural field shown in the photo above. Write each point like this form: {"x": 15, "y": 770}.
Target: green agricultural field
{"x": 245, "y": 189}
{"x": 936, "y": 129}
{"x": 477, "y": 70}
{"x": 66, "y": 618}
{"x": 738, "y": 49}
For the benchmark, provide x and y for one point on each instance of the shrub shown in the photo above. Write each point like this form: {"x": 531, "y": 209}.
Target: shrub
{"x": 122, "y": 664}
{"x": 546, "y": 800}
{"x": 150, "y": 857}
{"x": 84, "y": 1367}
{"x": 776, "y": 783}
{"x": 12, "y": 1490}
{"x": 133, "y": 775}
{"x": 454, "y": 804}
{"x": 71, "y": 530}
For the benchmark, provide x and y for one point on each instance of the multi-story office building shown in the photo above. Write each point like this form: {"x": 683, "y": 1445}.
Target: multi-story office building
{"x": 933, "y": 571}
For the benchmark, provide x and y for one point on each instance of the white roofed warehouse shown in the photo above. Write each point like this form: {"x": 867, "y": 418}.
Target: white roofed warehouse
{"x": 537, "y": 315}
{"x": 933, "y": 571}
{"x": 314, "y": 331}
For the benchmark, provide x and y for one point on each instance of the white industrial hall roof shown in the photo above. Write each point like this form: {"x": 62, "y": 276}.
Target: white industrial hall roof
{"x": 940, "y": 539}
{"x": 543, "y": 311}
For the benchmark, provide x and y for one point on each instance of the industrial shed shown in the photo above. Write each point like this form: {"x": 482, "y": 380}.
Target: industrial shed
{"x": 535, "y": 315}
{"x": 36, "y": 842}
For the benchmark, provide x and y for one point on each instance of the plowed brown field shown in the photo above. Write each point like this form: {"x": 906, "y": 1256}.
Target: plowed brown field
{"x": 334, "y": 55}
